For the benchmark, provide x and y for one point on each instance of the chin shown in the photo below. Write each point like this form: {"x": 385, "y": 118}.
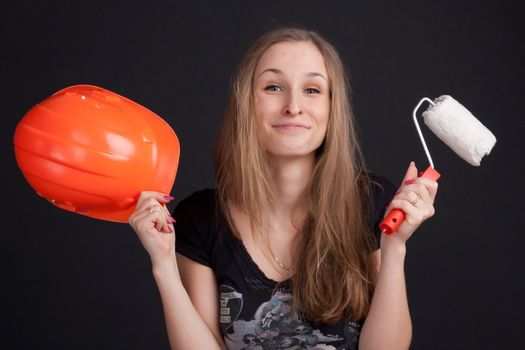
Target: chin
{"x": 291, "y": 153}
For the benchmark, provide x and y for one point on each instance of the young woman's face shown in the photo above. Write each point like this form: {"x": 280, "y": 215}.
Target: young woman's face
{"x": 292, "y": 99}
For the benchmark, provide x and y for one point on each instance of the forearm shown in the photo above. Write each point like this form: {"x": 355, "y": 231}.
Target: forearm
{"x": 185, "y": 327}
{"x": 388, "y": 324}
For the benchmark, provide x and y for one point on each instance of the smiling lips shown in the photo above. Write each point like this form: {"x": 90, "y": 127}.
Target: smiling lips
{"x": 290, "y": 126}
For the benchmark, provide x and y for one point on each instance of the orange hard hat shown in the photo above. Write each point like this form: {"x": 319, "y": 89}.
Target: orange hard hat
{"x": 91, "y": 151}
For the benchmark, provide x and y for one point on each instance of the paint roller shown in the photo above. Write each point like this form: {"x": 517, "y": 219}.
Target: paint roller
{"x": 458, "y": 129}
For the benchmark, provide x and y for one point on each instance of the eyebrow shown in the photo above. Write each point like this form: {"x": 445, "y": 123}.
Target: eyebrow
{"x": 278, "y": 71}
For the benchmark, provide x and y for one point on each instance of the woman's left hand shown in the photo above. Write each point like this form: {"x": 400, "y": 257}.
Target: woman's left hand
{"x": 415, "y": 198}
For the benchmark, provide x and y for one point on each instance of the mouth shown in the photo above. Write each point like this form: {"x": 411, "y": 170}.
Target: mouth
{"x": 290, "y": 126}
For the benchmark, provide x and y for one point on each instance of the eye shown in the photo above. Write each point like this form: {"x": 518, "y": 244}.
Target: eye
{"x": 273, "y": 88}
{"x": 312, "y": 91}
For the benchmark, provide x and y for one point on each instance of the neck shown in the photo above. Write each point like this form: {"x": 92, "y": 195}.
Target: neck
{"x": 290, "y": 178}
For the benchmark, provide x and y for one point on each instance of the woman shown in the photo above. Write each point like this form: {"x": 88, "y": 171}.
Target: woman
{"x": 285, "y": 253}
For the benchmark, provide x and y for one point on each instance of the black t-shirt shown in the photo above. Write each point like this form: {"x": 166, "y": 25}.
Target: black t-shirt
{"x": 255, "y": 312}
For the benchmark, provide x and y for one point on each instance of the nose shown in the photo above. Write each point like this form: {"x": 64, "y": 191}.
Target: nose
{"x": 292, "y": 105}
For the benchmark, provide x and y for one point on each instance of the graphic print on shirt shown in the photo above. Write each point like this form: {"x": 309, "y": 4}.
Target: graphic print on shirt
{"x": 275, "y": 326}
{"x": 230, "y": 307}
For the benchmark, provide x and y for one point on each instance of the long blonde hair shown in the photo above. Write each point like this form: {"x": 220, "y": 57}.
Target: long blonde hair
{"x": 335, "y": 271}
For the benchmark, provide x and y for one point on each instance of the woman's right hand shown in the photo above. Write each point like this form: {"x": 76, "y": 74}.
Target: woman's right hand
{"x": 153, "y": 224}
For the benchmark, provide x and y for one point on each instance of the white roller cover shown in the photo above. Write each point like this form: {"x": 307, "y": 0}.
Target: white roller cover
{"x": 459, "y": 129}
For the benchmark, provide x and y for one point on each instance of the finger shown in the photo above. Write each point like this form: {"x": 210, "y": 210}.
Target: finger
{"x": 166, "y": 211}
{"x": 409, "y": 196}
{"x": 152, "y": 217}
{"x": 410, "y": 192}
{"x": 426, "y": 208}
{"x": 413, "y": 215}
{"x": 167, "y": 219}
{"x": 409, "y": 177}
{"x": 147, "y": 204}
{"x": 430, "y": 185}
{"x": 157, "y": 213}
{"x": 145, "y": 197}
{"x": 410, "y": 174}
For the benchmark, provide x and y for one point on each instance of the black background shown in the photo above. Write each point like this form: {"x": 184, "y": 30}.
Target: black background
{"x": 73, "y": 282}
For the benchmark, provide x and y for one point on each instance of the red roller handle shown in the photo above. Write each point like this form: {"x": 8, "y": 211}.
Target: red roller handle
{"x": 391, "y": 223}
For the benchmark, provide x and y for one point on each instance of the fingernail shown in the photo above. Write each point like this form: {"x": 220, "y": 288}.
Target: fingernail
{"x": 168, "y": 198}
{"x": 171, "y": 219}
{"x": 409, "y": 182}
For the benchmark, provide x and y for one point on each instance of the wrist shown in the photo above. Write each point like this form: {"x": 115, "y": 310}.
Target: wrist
{"x": 391, "y": 246}
{"x": 165, "y": 265}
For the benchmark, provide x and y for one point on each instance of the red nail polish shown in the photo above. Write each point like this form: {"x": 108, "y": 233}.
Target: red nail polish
{"x": 409, "y": 182}
{"x": 168, "y": 198}
{"x": 171, "y": 219}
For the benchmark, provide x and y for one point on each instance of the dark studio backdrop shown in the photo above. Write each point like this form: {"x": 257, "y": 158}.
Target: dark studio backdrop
{"x": 73, "y": 282}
